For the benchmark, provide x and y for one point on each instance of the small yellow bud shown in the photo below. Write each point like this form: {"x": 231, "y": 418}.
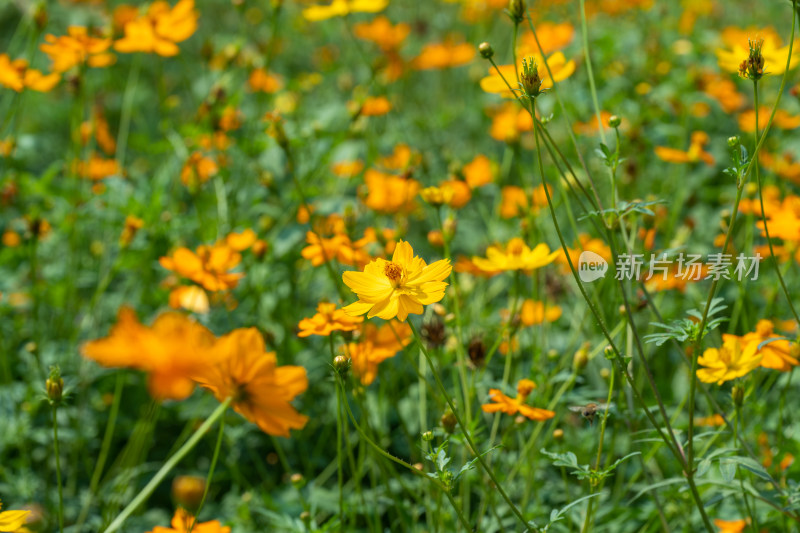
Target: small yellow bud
{"x": 486, "y": 50}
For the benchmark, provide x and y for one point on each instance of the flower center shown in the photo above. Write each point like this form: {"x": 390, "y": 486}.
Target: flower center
{"x": 393, "y": 271}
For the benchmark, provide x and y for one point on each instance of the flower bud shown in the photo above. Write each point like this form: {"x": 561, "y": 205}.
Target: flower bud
{"x": 558, "y": 434}
{"x": 486, "y": 50}
{"x": 608, "y": 351}
{"x": 516, "y": 10}
{"x": 580, "y": 360}
{"x": 733, "y": 141}
{"x": 297, "y": 480}
{"x": 614, "y": 121}
{"x": 187, "y": 491}
{"x": 530, "y": 79}
{"x": 341, "y": 364}
{"x": 737, "y": 394}
{"x": 427, "y": 436}
{"x": 448, "y": 421}
{"x": 55, "y": 385}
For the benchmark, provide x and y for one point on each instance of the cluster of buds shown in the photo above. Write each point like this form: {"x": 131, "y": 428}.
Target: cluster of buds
{"x": 752, "y": 68}
{"x": 530, "y": 80}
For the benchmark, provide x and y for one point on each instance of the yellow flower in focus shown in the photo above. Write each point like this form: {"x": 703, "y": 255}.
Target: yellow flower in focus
{"x": 327, "y": 320}
{"x": 76, "y": 48}
{"x": 341, "y": 8}
{"x": 559, "y": 66}
{"x": 736, "y": 48}
{"x": 159, "y": 29}
{"x": 261, "y": 390}
{"x": 182, "y": 523}
{"x": 730, "y": 361}
{"x": 399, "y": 287}
{"x": 516, "y": 256}
{"x": 512, "y": 406}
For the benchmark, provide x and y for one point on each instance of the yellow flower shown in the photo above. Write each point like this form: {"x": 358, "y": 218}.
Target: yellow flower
{"x": 399, "y": 287}
{"x": 559, "y": 66}
{"x": 736, "y": 48}
{"x": 340, "y": 8}
{"x": 12, "y": 520}
{"x": 512, "y": 406}
{"x": 516, "y": 256}
{"x": 778, "y": 354}
{"x": 728, "y": 362}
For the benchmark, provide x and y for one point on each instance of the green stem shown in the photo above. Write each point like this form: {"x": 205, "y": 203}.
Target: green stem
{"x": 210, "y": 476}
{"x": 585, "y": 33}
{"x": 465, "y": 429}
{"x": 58, "y": 470}
{"x": 148, "y": 489}
{"x": 590, "y": 512}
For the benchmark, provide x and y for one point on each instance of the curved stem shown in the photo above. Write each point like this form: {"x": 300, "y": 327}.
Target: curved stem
{"x": 167, "y": 467}
{"x": 210, "y": 475}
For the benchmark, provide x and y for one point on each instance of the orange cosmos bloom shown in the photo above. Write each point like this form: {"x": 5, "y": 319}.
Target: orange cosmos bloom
{"x": 552, "y": 37}
{"x": 388, "y": 193}
{"x": 399, "y": 287}
{"x": 590, "y": 127}
{"x": 261, "y": 390}
{"x": 338, "y": 247}
{"x": 782, "y": 120}
{"x": 76, "y": 48}
{"x": 514, "y": 200}
{"x": 375, "y": 106}
{"x": 327, "y": 320}
{"x": 266, "y": 82}
{"x": 198, "y": 169}
{"x": 559, "y": 66}
{"x": 694, "y": 154}
{"x": 784, "y": 166}
{"x": 730, "y": 526}
{"x": 97, "y": 168}
{"x": 375, "y": 346}
{"x": 443, "y": 55}
{"x": 735, "y": 49}
{"x": 189, "y": 297}
{"x": 534, "y": 312}
{"x": 512, "y": 406}
{"x": 723, "y": 90}
{"x": 732, "y": 360}
{"x": 347, "y": 169}
{"x": 183, "y": 520}
{"x": 130, "y": 229}
{"x": 403, "y": 157}
{"x": 586, "y": 243}
{"x": 381, "y": 32}
{"x": 341, "y": 8}
{"x": 17, "y": 76}
{"x": 779, "y": 354}
{"x": 159, "y": 29}
{"x": 509, "y": 121}
{"x": 169, "y": 351}
{"x": 208, "y": 267}
{"x": 478, "y": 172}
{"x": 516, "y": 256}
{"x": 241, "y": 241}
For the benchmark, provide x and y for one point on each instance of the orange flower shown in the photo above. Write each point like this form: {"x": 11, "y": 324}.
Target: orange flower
{"x": 516, "y": 256}
{"x": 459, "y": 192}
{"x": 241, "y": 241}
{"x": 403, "y": 157}
{"x": 478, "y": 172}
{"x": 590, "y": 127}
{"x": 778, "y": 354}
{"x": 381, "y": 32}
{"x": 782, "y": 120}
{"x": 535, "y": 312}
{"x": 208, "y": 267}
{"x": 266, "y": 82}
{"x": 559, "y": 66}
{"x": 551, "y": 36}
{"x": 97, "y": 168}
{"x": 261, "y": 390}
{"x": 327, "y": 320}
{"x": 16, "y": 75}
{"x": 198, "y": 169}
{"x": 189, "y": 297}
{"x": 375, "y": 106}
{"x": 375, "y": 346}
{"x": 182, "y": 523}
{"x": 338, "y": 247}
{"x": 443, "y": 55}
{"x": 784, "y": 166}
{"x": 730, "y": 526}
{"x": 723, "y": 90}
{"x": 390, "y": 194}
{"x": 467, "y": 266}
{"x": 132, "y": 226}
{"x": 512, "y": 406}
{"x": 347, "y": 169}
{"x": 713, "y": 420}
{"x": 78, "y": 47}
{"x": 169, "y": 351}
{"x": 509, "y": 121}
{"x": 694, "y": 154}
{"x": 159, "y": 29}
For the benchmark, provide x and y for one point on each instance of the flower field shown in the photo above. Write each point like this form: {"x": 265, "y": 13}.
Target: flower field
{"x": 391, "y": 265}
